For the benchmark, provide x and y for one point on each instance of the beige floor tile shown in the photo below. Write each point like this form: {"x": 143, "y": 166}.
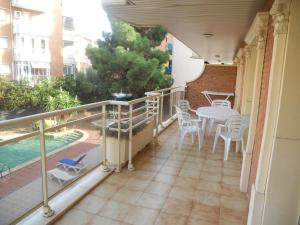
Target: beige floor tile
{"x": 152, "y": 201}
{"x": 207, "y": 198}
{"x": 170, "y": 170}
{"x": 199, "y": 222}
{"x": 173, "y": 163}
{"x": 144, "y": 175}
{"x": 75, "y": 217}
{"x": 105, "y": 190}
{"x": 170, "y": 219}
{"x": 209, "y": 186}
{"x": 91, "y": 204}
{"x": 115, "y": 210}
{"x": 212, "y": 169}
{"x": 158, "y": 188}
{"x": 177, "y": 207}
{"x": 205, "y": 213}
{"x": 117, "y": 179}
{"x": 137, "y": 184}
{"x": 213, "y": 177}
{"x": 192, "y": 165}
{"x": 186, "y": 182}
{"x": 233, "y": 165}
{"x": 99, "y": 220}
{"x": 127, "y": 195}
{"x": 195, "y": 174}
{"x": 165, "y": 178}
{"x": 141, "y": 216}
{"x": 232, "y": 191}
{"x": 182, "y": 193}
{"x": 216, "y": 163}
{"x": 233, "y": 216}
{"x": 231, "y": 172}
{"x": 230, "y": 180}
{"x": 234, "y": 203}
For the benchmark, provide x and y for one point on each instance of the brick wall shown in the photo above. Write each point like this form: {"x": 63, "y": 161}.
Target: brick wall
{"x": 262, "y": 100}
{"x": 220, "y": 78}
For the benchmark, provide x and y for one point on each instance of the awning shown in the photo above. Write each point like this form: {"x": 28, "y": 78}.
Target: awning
{"x": 40, "y": 65}
{"x": 4, "y": 69}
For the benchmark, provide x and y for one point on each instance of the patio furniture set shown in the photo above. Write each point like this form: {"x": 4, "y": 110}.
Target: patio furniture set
{"x": 230, "y": 125}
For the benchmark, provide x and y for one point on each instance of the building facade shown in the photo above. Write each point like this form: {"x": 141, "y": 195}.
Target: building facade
{"x": 38, "y": 39}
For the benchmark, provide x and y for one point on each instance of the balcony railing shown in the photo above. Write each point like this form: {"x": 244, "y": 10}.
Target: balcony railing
{"x": 32, "y": 55}
{"x": 27, "y": 26}
{"x": 85, "y": 130}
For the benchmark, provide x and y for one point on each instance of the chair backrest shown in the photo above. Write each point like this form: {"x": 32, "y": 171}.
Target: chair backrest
{"x": 219, "y": 102}
{"x": 80, "y": 159}
{"x": 184, "y": 118}
{"x": 235, "y": 127}
{"x": 184, "y": 105}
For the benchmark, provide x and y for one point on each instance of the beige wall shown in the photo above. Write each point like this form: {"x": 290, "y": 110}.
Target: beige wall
{"x": 283, "y": 189}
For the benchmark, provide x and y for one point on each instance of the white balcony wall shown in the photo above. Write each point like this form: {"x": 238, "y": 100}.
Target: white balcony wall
{"x": 69, "y": 55}
{"x": 184, "y": 68}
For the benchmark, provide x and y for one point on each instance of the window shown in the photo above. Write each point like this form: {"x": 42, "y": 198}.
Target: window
{"x": 68, "y": 23}
{"x": 68, "y": 69}
{"x": 18, "y": 14}
{"x": 3, "y": 42}
{"x": 43, "y": 44}
{"x": 32, "y": 43}
{"x": 2, "y": 14}
{"x": 68, "y": 43}
{"x": 4, "y": 69}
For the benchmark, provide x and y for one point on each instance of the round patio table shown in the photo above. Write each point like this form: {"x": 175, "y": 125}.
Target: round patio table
{"x": 216, "y": 112}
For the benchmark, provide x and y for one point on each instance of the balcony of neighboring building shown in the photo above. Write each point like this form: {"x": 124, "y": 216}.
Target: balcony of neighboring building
{"x": 29, "y": 27}
{"x": 32, "y": 55}
{"x": 34, "y": 5}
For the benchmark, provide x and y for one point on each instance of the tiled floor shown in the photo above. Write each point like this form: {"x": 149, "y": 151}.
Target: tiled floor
{"x": 168, "y": 187}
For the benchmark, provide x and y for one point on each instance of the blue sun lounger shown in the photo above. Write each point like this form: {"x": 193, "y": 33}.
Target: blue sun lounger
{"x": 76, "y": 165}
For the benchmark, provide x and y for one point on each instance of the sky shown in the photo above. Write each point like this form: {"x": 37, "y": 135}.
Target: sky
{"x": 92, "y": 19}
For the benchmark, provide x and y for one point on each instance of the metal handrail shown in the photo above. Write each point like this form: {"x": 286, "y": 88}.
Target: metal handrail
{"x": 153, "y": 110}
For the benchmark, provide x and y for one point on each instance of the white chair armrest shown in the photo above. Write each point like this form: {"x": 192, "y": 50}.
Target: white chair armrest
{"x": 219, "y": 128}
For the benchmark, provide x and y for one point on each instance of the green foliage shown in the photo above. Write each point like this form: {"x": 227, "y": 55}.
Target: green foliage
{"x": 45, "y": 96}
{"x": 127, "y": 59}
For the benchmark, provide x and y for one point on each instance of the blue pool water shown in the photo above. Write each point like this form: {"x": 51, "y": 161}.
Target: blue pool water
{"x": 23, "y": 151}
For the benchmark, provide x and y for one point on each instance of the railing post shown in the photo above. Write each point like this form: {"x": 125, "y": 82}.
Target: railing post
{"x": 171, "y": 104}
{"x": 104, "y": 166}
{"x": 118, "y": 169}
{"x": 161, "y": 107}
{"x": 47, "y": 211}
{"x": 130, "y": 165}
{"x": 156, "y": 114}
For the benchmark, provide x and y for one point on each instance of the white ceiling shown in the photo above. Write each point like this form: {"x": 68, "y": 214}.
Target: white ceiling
{"x": 188, "y": 20}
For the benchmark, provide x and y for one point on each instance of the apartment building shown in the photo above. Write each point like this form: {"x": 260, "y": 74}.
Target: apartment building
{"x": 30, "y": 37}
{"x": 74, "y": 40}
{"x": 39, "y": 39}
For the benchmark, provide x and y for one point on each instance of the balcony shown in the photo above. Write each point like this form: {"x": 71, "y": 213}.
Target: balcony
{"x": 35, "y": 5}
{"x": 167, "y": 185}
{"x": 32, "y": 55}
{"x": 26, "y": 26}
{"x": 69, "y": 55}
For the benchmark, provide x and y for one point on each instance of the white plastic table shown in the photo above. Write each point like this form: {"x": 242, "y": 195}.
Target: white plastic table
{"x": 217, "y": 112}
{"x": 207, "y": 95}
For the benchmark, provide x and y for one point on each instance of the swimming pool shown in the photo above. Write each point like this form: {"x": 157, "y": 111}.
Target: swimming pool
{"x": 26, "y": 150}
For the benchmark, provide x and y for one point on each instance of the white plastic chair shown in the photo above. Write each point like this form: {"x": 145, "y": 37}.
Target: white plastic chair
{"x": 185, "y": 106}
{"x": 233, "y": 130}
{"x": 218, "y": 103}
{"x": 187, "y": 125}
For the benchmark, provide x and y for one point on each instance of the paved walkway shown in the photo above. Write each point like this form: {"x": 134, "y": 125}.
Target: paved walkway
{"x": 168, "y": 187}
